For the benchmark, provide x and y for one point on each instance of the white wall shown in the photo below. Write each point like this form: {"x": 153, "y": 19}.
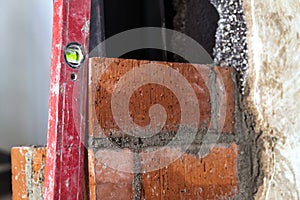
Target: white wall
{"x": 25, "y": 50}
{"x": 274, "y": 83}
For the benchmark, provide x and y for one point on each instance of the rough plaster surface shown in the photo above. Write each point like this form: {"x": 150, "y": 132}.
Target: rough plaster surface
{"x": 274, "y": 92}
{"x": 231, "y": 42}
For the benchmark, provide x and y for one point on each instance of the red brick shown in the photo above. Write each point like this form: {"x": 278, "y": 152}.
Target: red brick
{"x": 92, "y": 175}
{"x": 191, "y": 177}
{"x": 19, "y": 173}
{"x": 106, "y": 72}
{"x": 106, "y": 180}
{"x": 224, "y": 74}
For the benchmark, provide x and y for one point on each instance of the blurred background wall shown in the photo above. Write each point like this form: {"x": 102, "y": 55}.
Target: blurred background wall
{"x": 25, "y": 51}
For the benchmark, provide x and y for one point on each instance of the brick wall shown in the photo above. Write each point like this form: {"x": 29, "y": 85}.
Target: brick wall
{"x": 214, "y": 157}
{"x": 229, "y": 168}
{"x": 215, "y": 165}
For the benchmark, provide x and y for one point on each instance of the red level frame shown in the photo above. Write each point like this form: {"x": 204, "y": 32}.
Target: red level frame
{"x": 67, "y": 104}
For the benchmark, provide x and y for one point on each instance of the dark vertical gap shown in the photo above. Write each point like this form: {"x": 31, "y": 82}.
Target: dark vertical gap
{"x": 96, "y": 24}
{"x": 195, "y": 18}
{"x": 201, "y": 23}
{"x": 5, "y": 174}
{"x": 110, "y": 17}
{"x": 86, "y": 185}
{"x": 169, "y": 23}
{"x": 153, "y": 16}
{"x": 121, "y": 16}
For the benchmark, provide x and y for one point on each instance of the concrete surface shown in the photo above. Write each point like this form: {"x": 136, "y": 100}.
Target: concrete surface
{"x": 274, "y": 92}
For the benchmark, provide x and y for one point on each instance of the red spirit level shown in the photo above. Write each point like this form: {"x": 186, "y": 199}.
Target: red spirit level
{"x": 67, "y": 101}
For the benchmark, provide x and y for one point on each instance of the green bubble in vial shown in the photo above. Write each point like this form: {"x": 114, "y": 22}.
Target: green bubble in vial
{"x": 73, "y": 56}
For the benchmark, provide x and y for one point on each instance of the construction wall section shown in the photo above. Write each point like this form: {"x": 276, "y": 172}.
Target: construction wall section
{"x": 254, "y": 155}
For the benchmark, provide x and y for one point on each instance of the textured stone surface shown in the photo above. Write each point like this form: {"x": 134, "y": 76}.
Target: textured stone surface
{"x": 274, "y": 92}
{"x": 231, "y": 41}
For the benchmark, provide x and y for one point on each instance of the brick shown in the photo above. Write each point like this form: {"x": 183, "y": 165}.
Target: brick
{"x": 92, "y": 175}
{"x": 224, "y": 74}
{"x": 18, "y": 173}
{"x": 191, "y": 177}
{"x": 106, "y": 72}
{"x": 107, "y": 179}
{"x": 28, "y": 165}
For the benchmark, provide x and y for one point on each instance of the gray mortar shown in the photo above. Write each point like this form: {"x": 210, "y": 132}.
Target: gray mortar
{"x": 252, "y": 146}
{"x": 29, "y": 174}
{"x": 214, "y": 102}
{"x": 159, "y": 140}
{"x": 137, "y": 180}
{"x": 34, "y": 189}
{"x": 248, "y": 161}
